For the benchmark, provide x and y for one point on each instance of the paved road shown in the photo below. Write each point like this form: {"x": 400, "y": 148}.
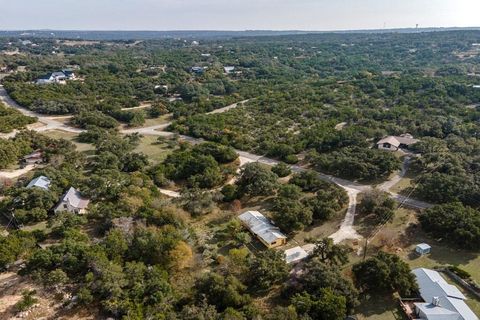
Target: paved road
{"x": 52, "y": 124}
{"x": 49, "y": 122}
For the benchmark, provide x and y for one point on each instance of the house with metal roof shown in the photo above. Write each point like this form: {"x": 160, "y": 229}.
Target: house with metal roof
{"x": 41, "y": 182}
{"x": 443, "y": 301}
{"x": 263, "y": 229}
{"x": 72, "y": 201}
{"x": 393, "y": 143}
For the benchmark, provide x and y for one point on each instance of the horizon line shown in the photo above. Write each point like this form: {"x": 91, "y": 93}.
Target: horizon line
{"x": 238, "y": 30}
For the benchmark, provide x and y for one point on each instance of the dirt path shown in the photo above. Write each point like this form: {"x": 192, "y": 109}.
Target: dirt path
{"x": 16, "y": 173}
{"x": 387, "y": 185}
{"x": 170, "y": 193}
{"x": 347, "y": 231}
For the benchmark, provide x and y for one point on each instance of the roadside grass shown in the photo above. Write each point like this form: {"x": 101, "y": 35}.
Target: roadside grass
{"x": 160, "y": 120}
{"x": 404, "y": 184}
{"x": 156, "y": 152}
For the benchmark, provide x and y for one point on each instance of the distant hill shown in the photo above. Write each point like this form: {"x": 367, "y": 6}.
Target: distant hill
{"x": 199, "y": 34}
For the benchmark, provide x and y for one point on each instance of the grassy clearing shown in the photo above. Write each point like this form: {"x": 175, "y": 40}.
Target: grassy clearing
{"x": 70, "y": 136}
{"x": 379, "y": 308}
{"x": 160, "y": 120}
{"x": 156, "y": 152}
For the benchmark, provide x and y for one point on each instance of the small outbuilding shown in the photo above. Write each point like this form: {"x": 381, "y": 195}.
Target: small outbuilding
{"x": 295, "y": 254}
{"x": 41, "y": 182}
{"x": 423, "y": 249}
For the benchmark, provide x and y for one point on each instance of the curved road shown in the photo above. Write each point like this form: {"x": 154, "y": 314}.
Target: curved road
{"x": 346, "y": 230}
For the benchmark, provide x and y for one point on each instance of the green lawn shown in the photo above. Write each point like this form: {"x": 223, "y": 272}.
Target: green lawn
{"x": 379, "y": 308}
{"x": 70, "y": 136}
{"x": 155, "y": 152}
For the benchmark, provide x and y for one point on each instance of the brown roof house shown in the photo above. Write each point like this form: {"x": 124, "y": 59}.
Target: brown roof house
{"x": 35, "y": 157}
{"x": 394, "y": 143}
{"x": 72, "y": 201}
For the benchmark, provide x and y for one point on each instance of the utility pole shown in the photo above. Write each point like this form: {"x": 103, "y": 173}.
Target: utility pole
{"x": 365, "y": 249}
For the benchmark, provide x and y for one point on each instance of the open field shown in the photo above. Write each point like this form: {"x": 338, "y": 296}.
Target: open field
{"x": 58, "y": 134}
{"x": 155, "y": 152}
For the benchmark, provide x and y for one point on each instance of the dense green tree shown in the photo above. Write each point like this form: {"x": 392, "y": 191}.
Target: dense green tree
{"x": 267, "y": 268}
{"x": 222, "y": 292}
{"x": 454, "y": 222}
{"x": 255, "y": 180}
{"x": 326, "y": 305}
{"x": 385, "y": 272}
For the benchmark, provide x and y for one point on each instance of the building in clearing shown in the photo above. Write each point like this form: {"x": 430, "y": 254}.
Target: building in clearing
{"x": 263, "y": 229}
{"x": 35, "y": 157}
{"x": 228, "y": 69}
{"x": 41, "y": 182}
{"x": 423, "y": 248}
{"x": 443, "y": 301}
{"x": 72, "y": 201}
{"x": 295, "y": 254}
{"x": 393, "y": 143}
{"x": 56, "y": 77}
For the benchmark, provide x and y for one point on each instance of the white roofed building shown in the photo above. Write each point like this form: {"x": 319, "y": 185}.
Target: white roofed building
{"x": 443, "y": 301}
{"x": 295, "y": 254}
{"x": 72, "y": 201}
{"x": 263, "y": 229}
{"x": 41, "y": 182}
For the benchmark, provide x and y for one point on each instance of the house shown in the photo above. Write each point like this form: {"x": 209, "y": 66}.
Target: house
{"x": 423, "y": 248}
{"x": 72, "y": 201}
{"x": 442, "y": 301}
{"x": 35, "y": 157}
{"x": 295, "y": 254}
{"x": 69, "y": 74}
{"x": 263, "y": 229}
{"x": 41, "y": 182}
{"x": 198, "y": 70}
{"x": 228, "y": 69}
{"x": 56, "y": 77}
{"x": 394, "y": 143}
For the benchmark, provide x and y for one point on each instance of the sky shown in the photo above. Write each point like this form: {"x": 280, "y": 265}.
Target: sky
{"x": 312, "y": 15}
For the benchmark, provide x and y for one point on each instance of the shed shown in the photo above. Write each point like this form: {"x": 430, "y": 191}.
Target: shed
{"x": 423, "y": 249}
{"x": 295, "y": 254}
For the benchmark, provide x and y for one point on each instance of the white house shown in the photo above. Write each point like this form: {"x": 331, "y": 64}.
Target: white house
{"x": 263, "y": 229}
{"x": 56, "y": 77}
{"x": 228, "y": 69}
{"x": 41, "y": 182}
{"x": 72, "y": 201}
{"x": 393, "y": 143}
{"x": 443, "y": 301}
